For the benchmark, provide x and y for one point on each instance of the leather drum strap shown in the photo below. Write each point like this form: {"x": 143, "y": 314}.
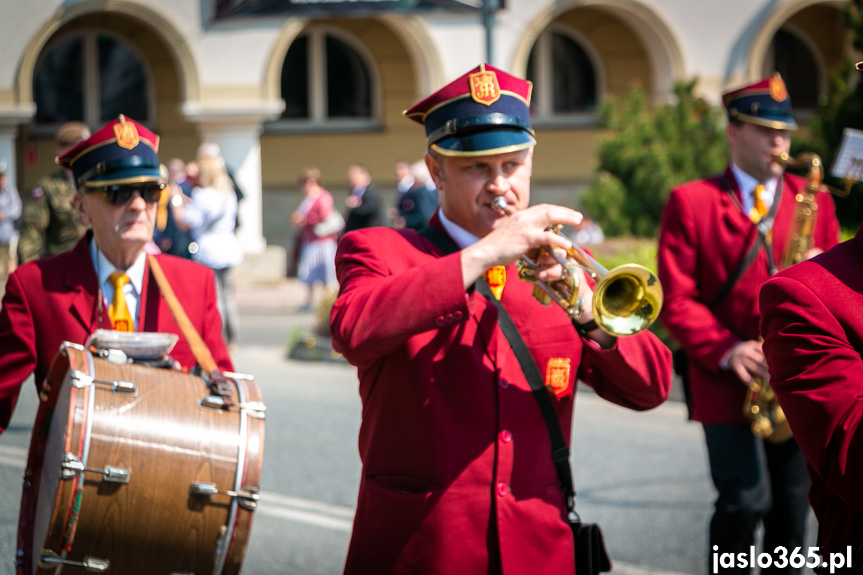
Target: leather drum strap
{"x": 218, "y": 383}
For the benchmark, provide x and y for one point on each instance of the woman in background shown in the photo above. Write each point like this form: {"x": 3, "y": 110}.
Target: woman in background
{"x": 318, "y": 235}
{"x": 211, "y": 216}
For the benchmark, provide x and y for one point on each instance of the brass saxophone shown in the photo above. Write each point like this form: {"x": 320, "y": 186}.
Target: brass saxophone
{"x": 761, "y": 406}
{"x": 805, "y": 210}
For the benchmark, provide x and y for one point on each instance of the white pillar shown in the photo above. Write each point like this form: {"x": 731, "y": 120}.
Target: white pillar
{"x": 7, "y": 152}
{"x": 10, "y": 119}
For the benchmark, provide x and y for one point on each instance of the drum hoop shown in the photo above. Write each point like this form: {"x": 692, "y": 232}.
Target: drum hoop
{"x": 225, "y": 543}
{"x": 74, "y": 511}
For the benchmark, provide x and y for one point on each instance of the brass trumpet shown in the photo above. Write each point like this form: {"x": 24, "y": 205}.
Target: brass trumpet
{"x": 626, "y": 300}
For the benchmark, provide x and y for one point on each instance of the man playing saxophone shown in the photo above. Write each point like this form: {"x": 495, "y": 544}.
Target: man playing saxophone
{"x": 458, "y": 475}
{"x": 721, "y": 238}
{"x": 812, "y": 324}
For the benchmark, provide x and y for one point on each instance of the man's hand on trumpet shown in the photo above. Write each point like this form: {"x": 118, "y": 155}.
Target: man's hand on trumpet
{"x": 517, "y": 233}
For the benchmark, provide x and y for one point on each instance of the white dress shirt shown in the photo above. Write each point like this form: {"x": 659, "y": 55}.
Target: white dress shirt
{"x": 132, "y": 289}
{"x": 747, "y": 184}
{"x": 460, "y": 236}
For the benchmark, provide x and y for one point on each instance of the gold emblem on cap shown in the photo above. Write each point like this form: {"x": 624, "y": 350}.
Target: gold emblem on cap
{"x": 484, "y": 87}
{"x": 126, "y": 133}
{"x": 777, "y": 88}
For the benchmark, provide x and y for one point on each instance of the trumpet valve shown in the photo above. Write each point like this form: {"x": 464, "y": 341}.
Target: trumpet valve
{"x": 539, "y": 295}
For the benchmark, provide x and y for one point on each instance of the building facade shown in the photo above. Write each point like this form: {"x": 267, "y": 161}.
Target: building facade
{"x": 285, "y": 85}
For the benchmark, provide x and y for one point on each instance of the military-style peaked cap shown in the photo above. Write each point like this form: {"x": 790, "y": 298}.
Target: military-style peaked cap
{"x": 484, "y": 112}
{"x": 122, "y": 152}
{"x": 765, "y": 103}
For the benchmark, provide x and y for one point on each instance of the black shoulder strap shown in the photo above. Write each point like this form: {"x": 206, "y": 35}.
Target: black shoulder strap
{"x": 559, "y": 448}
{"x": 763, "y": 240}
{"x": 440, "y": 239}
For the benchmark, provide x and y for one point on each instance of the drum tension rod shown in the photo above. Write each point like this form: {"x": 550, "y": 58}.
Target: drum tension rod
{"x": 81, "y": 379}
{"x": 72, "y": 466}
{"x": 254, "y": 409}
{"x": 50, "y": 559}
{"x": 247, "y": 499}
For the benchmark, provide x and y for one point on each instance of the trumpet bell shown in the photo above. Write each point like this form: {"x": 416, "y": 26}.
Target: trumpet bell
{"x": 627, "y": 300}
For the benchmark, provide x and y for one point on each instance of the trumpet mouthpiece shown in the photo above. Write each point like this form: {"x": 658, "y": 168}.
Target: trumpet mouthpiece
{"x": 499, "y": 203}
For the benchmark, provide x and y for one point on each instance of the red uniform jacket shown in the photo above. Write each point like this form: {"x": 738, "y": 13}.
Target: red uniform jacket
{"x": 457, "y": 469}
{"x": 813, "y": 337}
{"x": 704, "y": 236}
{"x": 53, "y": 300}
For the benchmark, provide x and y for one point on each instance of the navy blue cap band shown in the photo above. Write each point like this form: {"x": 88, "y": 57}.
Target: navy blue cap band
{"x": 116, "y": 165}
{"x": 492, "y": 121}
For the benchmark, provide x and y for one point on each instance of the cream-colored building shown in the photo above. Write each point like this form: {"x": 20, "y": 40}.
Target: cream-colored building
{"x": 324, "y": 82}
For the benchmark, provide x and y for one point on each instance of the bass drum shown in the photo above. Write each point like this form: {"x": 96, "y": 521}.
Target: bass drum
{"x": 138, "y": 470}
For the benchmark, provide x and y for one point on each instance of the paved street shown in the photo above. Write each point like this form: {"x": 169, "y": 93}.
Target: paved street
{"x": 642, "y": 476}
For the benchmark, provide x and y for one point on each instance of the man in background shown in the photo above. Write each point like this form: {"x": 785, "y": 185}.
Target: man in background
{"x": 50, "y": 223}
{"x": 721, "y": 238}
{"x": 363, "y": 203}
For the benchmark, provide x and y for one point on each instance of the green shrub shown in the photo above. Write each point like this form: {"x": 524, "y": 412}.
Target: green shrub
{"x": 646, "y": 154}
{"x": 841, "y": 108}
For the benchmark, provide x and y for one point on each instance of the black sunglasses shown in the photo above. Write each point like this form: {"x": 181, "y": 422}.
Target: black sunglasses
{"x": 121, "y": 194}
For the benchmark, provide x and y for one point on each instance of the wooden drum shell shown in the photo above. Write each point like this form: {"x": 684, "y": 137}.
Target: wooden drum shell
{"x": 167, "y": 441}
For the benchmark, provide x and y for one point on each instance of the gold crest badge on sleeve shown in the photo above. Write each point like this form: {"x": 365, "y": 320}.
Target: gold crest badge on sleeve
{"x": 557, "y": 375}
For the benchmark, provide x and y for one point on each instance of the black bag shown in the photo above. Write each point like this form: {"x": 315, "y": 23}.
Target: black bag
{"x": 591, "y": 555}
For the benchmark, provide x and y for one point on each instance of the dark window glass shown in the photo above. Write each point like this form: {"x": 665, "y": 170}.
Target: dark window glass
{"x": 58, "y": 86}
{"x": 295, "y": 80}
{"x": 123, "y": 84}
{"x": 574, "y": 78}
{"x": 59, "y": 91}
{"x": 349, "y": 91}
{"x": 798, "y": 68}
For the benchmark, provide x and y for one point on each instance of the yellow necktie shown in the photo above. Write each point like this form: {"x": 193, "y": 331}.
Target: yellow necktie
{"x": 759, "y": 208}
{"x": 162, "y": 209}
{"x": 119, "y": 311}
{"x": 496, "y": 278}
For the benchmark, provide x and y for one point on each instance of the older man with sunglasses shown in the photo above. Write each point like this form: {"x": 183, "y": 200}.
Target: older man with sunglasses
{"x": 105, "y": 282}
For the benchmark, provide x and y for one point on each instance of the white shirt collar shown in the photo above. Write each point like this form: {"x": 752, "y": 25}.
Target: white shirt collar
{"x": 460, "y": 236}
{"x": 104, "y": 269}
{"x": 746, "y": 184}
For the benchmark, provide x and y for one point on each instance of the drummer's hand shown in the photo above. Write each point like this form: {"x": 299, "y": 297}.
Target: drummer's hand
{"x": 514, "y": 236}
{"x": 812, "y": 252}
{"x": 746, "y": 360}
{"x": 174, "y": 364}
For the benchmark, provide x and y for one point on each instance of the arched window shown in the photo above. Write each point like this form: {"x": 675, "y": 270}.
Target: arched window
{"x": 327, "y": 80}
{"x": 91, "y": 77}
{"x": 564, "y": 77}
{"x": 794, "y": 59}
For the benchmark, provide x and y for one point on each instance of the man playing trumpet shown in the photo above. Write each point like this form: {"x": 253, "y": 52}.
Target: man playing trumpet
{"x": 457, "y": 469}
{"x": 721, "y": 239}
